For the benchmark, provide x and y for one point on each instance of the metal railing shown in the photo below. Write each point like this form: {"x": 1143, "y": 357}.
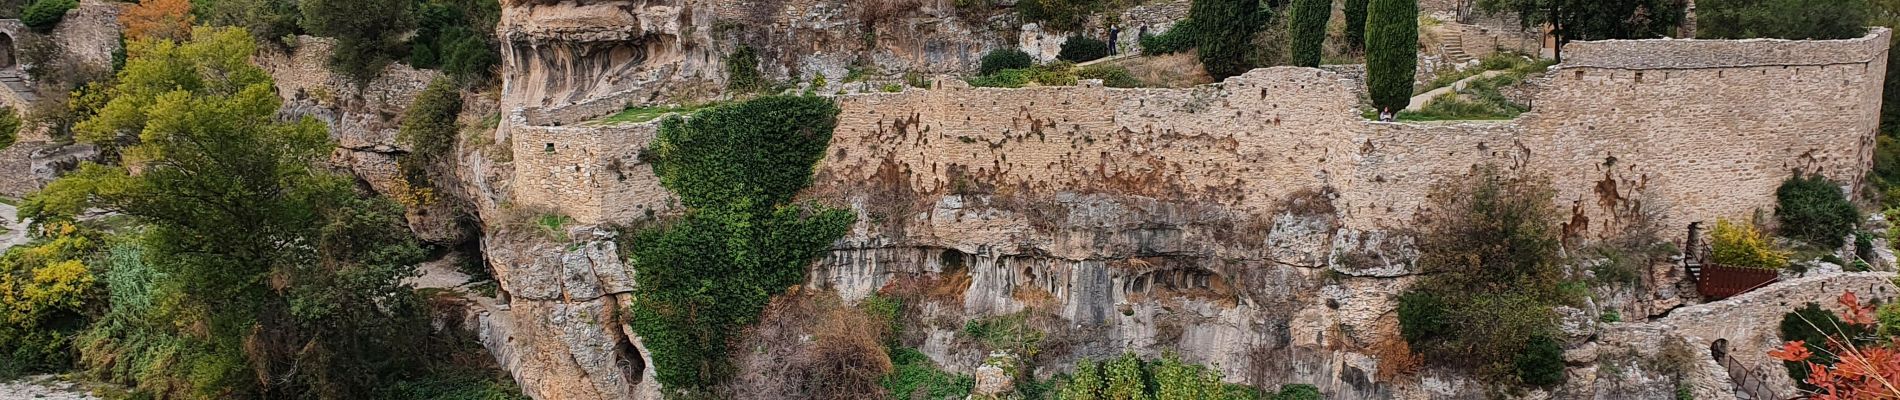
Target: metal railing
{"x": 1749, "y": 381}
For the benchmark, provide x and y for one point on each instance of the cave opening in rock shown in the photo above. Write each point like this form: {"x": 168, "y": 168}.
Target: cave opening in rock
{"x": 6, "y": 51}
{"x": 631, "y": 362}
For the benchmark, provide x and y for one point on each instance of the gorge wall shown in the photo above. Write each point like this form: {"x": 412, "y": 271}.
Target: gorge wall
{"x": 1258, "y": 225}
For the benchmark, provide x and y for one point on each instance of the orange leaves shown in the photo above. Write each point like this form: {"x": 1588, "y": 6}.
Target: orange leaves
{"x": 158, "y": 19}
{"x": 1865, "y": 370}
{"x": 1792, "y": 351}
{"x": 1855, "y": 313}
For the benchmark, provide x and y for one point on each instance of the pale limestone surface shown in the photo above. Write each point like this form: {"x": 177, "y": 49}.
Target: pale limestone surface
{"x": 43, "y": 387}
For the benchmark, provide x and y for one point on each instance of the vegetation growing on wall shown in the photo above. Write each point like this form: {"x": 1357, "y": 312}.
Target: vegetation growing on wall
{"x": 10, "y": 123}
{"x": 1309, "y": 30}
{"x": 1059, "y": 15}
{"x": 428, "y": 130}
{"x": 742, "y": 71}
{"x": 1491, "y": 277}
{"x": 1391, "y": 52}
{"x": 268, "y": 21}
{"x": 736, "y": 168}
{"x": 1129, "y": 377}
{"x": 43, "y": 15}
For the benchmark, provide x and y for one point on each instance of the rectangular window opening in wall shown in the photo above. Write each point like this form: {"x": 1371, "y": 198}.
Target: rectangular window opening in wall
{"x": 549, "y": 148}
{"x": 1639, "y": 77}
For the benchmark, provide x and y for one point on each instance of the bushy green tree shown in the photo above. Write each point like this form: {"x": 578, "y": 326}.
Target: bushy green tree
{"x": 1492, "y": 273}
{"x": 48, "y": 290}
{"x": 1223, "y": 32}
{"x": 1391, "y": 52}
{"x": 1814, "y": 210}
{"x": 457, "y": 36}
{"x": 1002, "y": 59}
{"x": 1309, "y": 30}
{"x": 1541, "y": 363}
{"x": 1783, "y": 19}
{"x": 1355, "y": 11}
{"x": 43, "y": 15}
{"x": 736, "y": 169}
{"x": 283, "y": 281}
{"x": 368, "y": 33}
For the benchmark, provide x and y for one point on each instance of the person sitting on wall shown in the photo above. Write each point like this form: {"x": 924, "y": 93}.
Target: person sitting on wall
{"x": 1386, "y": 115}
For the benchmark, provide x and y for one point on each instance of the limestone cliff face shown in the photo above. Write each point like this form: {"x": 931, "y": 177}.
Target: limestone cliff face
{"x": 1258, "y": 225}
{"x": 578, "y": 59}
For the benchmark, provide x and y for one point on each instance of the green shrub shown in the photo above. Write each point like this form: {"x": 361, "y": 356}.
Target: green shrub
{"x": 1815, "y": 326}
{"x": 914, "y": 375}
{"x": 1128, "y": 377}
{"x": 1177, "y": 39}
{"x": 1541, "y": 363}
{"x": 1002, "y": 59}
{"x": 1741, "y": 245}
{"x": 1309, "y": 30}
{"x": 1223, "y": 32}
{"x": 10, "y": 123}
{"x": 736, "y": 168}
{"x": 1813, "y": 210}
{"x": 43, "y": 15}
{"x": 1492, "y": 274}
{"x": 1298, "y": 391}
{"x": 742, "y": 71}
{"x": 1111, "y": 76}
{"x": 456, "y": 36}
{"x": 429, "y": 131}
{"x": 1783, "y": 19}
{"x": 1391, "y": 52}
{"x": 1009, "y": 78}
{"x": 1082, "y": 49}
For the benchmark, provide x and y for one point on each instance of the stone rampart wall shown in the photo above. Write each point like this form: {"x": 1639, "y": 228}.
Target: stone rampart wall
{"x": 1701, "y": 138}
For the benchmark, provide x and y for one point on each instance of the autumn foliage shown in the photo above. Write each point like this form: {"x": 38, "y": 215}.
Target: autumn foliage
{"x": 158, "y": 19}
{"x": 1863, "y": 371}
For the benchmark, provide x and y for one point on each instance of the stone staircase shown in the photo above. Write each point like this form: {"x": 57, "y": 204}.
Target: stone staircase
{"x": 16, "y": 83}
{"x": 1455, "y": 44}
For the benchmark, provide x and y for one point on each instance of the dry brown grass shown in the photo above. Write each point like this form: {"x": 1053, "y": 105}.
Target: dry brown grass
{"x": 843, "y": 359}
{"x": 1176, "y": 70}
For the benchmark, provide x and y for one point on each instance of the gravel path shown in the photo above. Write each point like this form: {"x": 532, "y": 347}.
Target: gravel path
{"x": 43, "y": 387}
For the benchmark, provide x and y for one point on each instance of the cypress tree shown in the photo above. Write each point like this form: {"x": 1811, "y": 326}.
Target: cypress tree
{"x": 1223, "y": 30}
{"x": 1356, "y": 24}
{"x": 1391, "y": 52}
{"x": 1309, "y": 30}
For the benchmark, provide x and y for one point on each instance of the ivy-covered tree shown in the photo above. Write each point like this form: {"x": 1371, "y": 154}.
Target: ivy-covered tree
{"x": 368, "y": 33}
{"x": 736, "y": 168}
{"x": 1223, "y": 31}
{"x": 1309, "y": 30}
{"x": 1355, "y": 11}
{"x": 1391, "y": 52}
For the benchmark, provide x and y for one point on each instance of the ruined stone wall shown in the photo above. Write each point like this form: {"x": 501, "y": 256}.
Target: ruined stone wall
{"x": 592, "y": 173}
{"x": 1705, "y": 137}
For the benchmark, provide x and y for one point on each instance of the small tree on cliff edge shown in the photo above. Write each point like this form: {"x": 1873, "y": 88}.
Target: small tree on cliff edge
{"x": 1224, "y": 30}
{"x": 1391, "y": 52}
{"x": 1309, "y": 30}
